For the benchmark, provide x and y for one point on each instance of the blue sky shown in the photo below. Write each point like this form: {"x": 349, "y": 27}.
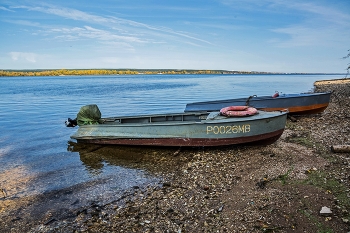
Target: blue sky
{"x": 250, "y": 35}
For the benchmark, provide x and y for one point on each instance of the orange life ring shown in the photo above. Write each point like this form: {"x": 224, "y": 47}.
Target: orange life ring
{"x": 238, "y": 111}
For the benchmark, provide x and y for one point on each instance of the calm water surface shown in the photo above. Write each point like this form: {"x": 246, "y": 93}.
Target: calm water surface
{"x": 37, "y": 156}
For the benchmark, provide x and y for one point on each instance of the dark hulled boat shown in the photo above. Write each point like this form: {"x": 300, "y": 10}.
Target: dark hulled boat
{"x": 297, "y": 104}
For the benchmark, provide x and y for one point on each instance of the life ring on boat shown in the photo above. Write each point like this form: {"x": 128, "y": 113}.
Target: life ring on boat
{"x": 276, "y": 95}
{"x": 238, "y": 111}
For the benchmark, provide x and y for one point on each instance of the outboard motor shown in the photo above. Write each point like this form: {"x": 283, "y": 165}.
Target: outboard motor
{"x": 88, "y": 115}
{"x": 71, "y": 122}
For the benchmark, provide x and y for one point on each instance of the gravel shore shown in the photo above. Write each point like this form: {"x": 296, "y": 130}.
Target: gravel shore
{"x": 281, "y": 187}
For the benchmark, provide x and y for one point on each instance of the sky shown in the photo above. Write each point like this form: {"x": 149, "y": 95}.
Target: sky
{"x": 310, "y": 36}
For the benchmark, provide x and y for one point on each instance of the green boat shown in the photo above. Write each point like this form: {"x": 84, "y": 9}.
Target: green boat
{"x": 180, "y": 129}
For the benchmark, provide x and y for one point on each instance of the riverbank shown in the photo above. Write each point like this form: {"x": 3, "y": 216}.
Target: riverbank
{"x": 281, "y": 187}
{"x": 79, "y": 72}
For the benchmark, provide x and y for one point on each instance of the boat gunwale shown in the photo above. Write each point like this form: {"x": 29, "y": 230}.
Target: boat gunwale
{"x": 265, "y": 115}
{"x": 261, "y": 98}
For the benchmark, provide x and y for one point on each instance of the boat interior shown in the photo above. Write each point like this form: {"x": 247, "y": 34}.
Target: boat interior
{"x": 176, "y": 117}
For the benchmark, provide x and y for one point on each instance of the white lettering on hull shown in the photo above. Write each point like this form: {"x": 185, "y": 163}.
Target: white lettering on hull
{"x": 229, "y": 129}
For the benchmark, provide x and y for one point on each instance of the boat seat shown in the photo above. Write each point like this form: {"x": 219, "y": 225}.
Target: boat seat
{"x": 214, "y": 115}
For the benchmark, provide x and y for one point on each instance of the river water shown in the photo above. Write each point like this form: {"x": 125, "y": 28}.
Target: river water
{"x": 38, "y": 157}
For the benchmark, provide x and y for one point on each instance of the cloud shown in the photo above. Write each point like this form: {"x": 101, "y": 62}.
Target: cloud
{"x": 70, "y": 14}
{"x": 325, "y": 13}
{"x": 320, "y": 26}
{"x": 5, "y": 9}
{"x": 128, "y": 27}
{"x": 24, "y": 22}
{"x": 76, "y": 33}
{"x": 317, "y": 25}
{"x": 17, "y": 56}
{"x": 297, "y": 36}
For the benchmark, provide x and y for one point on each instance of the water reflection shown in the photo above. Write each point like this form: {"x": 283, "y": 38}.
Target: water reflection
{"x": 98, "y": 158}
{"x": 95, "y": 157}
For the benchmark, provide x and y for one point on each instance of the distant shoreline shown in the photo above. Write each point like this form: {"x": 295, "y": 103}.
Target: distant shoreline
{"x": 79, "y": 72}
{"x": 332, "y": 82}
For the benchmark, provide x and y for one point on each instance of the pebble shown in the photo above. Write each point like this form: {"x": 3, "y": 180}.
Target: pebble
{"x": 325, "y": 211}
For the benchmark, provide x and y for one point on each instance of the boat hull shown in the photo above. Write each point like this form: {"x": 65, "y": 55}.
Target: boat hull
{"x": 185, "y": 129}
{"x": 296, "y": 104}
{"x": 264, "y": 139}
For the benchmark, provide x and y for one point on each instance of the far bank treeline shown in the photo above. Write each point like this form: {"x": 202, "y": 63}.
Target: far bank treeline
{"x": 63, "y": 72}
